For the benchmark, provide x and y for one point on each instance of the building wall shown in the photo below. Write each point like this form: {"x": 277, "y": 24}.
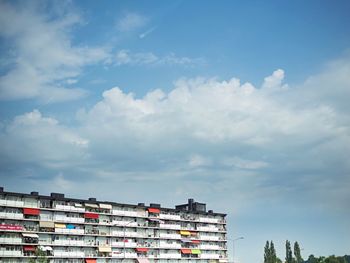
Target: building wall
{"x": 72, "y": 230}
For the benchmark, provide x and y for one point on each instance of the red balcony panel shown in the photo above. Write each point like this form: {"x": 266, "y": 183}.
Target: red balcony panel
{"x": 31, "y": 211}
{"x": 185, "y": 251}
{"x": 154, "y": 210}
{"x": 91, "y": 215}
{"x": 141, "y": 249}
{"x": 29, "y": 248}
{"x": 11, "y": 227}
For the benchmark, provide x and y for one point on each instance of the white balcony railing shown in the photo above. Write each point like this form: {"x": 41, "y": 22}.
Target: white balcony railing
{"x": 170, "y": 226}
{"x": 171, "y": 236}
{"x": 167, "y": 216}
{"x": 7, "y": 215}
{"x": 209, "y": 256}
{"x": 169, "y": 245}
{"x": 209, "y": 220}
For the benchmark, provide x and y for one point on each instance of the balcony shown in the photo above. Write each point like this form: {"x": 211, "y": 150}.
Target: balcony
{"x": 169, "y": 245}
{"x": 171, "y": 236}
{"x": 209, "y": 246}
{"x": 69, "y": 242}
{"x": 127, "y": 213}
{"x": 208, "y": 228}
{"x": 68, "y": 253}
{"x": 209, "y": 238}
{"x": 127, "y": 234}
{"x": 169, "y": 255}
{"x": 126, "y": 244}
{"x": 170, "y": 226}
{"x": 124, "y": 223}
{"x": 69, "y": 231}
{"x": 7, "y": 215}
{"x": 168, "y": 216}
{"x": 10, "y": 253}
{"x": 209, "y": 220}
{"x": 11, "y": 203}
{"x": 69, "y": 208}
{"x": 61, "y": 218}
{"x": 209, "y": 256}
{"x": 11, "y": 240}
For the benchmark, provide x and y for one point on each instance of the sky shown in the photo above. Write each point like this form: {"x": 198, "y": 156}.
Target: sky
{"x": 243, "y": 105}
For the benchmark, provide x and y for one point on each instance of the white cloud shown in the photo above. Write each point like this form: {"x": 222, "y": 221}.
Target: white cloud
{"x": 221, "y": 139}
{"x": 244, "y": 164}
{"x": 42, "y": 140}
{"x": 274, "y": 81}
{"x": 42, "y": 56}
{"x": 147, "y": 32}
{"x": 197, "y": 160}
{"x": 131, "y": 21}
{"x": 126, "y": 57}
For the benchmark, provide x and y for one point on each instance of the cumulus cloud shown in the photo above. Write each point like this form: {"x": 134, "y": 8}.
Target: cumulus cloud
{"x": 33, "y": 138}
{"x": 220, "y": 138}
{"x": 42, "y": 57}
{"x": 126, "y": 57}
{"x": 131, "y": 21}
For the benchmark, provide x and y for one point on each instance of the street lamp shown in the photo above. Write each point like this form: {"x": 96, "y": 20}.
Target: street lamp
{"x": 233, "y": 247}
{"x": 124, "y": 228}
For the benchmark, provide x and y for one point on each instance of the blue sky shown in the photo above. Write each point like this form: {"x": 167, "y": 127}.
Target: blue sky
{"x": 239, "y": 104}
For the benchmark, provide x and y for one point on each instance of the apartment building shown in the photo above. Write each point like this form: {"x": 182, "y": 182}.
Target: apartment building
{"x": 74, "y": 230}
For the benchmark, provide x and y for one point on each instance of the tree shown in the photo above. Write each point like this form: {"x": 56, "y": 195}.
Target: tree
{"x": 289, "y": 255}
{"x": 267, "y": 252}
{"x": 297, "y": 254}
{"x": 270, "y": 253}
{"x": 40, "y": 257}
{"x": 273, "y": 256}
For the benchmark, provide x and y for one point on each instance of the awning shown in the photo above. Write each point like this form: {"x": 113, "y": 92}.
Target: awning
{"x": 31, "y": 211}
{"x": 154, "y": 210}
{"x": 105, "y": 206}
{"x": 29, "y": 248}
{"x": 186, "y": 240}
{"x": 142, "y": 249}
{"x": 90, "y": 260}
{"x": 143, "y": 260}
{"x": 104, "y": 249}
{"x": 30, "y": 235}
{"x": 196, "y": 241}
{"x": 91, "y": 215}
{"x": 70, "y": 226}
{"x": 185, "y": 251}
{"x": 60, "y": 225}
{"x": 78, "y": 205}
{"x": 46, "y": 248}
{"x": 47, "y": 224}
{"x": 156, "y": 220}
{"x": 91, "y": 205}
{"x": 185, "y": 233}
{"x": 195, "y": 251}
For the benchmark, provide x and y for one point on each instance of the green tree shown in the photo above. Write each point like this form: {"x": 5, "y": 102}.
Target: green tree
{"x": 40, "y": 257}
{"x": 289, "y": 254}
{"x": 267, "y": 252}
{"x": 270, "y": 253}
{"x": 273, "y": 256}
{"x": 297, "y": 254}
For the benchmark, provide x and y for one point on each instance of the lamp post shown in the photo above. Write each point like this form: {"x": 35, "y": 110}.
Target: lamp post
{"x": 233, "y": 247}
{"x": 124, "y": 228}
